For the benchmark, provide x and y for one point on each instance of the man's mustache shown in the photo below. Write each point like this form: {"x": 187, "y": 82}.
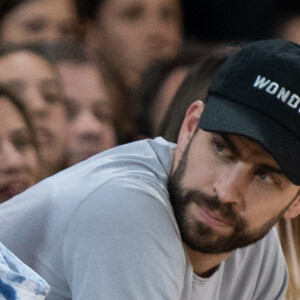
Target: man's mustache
{"x": 213, "y": 203}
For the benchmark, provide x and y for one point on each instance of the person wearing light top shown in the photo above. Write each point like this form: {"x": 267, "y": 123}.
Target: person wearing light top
{"x": 18, "y": 281}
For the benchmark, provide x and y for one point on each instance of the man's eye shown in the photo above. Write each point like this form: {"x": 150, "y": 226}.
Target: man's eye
{"x": 219, "y": 146}
{"x": 262, "y": 174}
{"x": 268, "y": 178}
{"x": 222, "y": 149}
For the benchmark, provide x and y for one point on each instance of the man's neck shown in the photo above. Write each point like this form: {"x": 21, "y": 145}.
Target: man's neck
{"x": 205, "y": 265}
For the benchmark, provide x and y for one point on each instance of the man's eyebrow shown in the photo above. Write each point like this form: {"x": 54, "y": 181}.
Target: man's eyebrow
{"x": 271, "y": 169}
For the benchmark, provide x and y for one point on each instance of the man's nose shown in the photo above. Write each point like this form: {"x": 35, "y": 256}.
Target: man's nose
{"x": 231, "y": 185}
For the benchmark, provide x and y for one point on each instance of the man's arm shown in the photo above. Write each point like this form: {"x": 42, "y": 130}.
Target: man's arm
{"x": 123, "y": 244}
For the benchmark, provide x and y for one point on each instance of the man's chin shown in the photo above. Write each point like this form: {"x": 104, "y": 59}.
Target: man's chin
{"x": 208, "y": 247}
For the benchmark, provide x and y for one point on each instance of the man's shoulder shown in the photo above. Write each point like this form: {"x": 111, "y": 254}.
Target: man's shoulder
{"x": 267, "y": 247}
{"x": 152, "y": 156}
{"x": 134, "y": 168}
{"x": 261, "y": 265}
{"x": 133, "y": 198}
{"x": 142, "y": 159}
{"x": 260, "y": 259}
{"x": 130, "y": 177}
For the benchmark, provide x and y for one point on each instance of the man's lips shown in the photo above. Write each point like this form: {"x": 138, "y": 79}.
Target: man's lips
{"x": 213, "y": 218}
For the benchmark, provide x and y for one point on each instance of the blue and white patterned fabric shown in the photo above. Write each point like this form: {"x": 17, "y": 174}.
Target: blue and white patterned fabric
{"x": 18, "y": 281}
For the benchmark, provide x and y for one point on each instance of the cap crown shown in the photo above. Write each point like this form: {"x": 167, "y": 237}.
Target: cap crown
{"x": 264, "y": 75}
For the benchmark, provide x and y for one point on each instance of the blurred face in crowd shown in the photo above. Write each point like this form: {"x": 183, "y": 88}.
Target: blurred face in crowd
{"x": 40, "y": 20}
{"x": 291, "y": 30}
{"x": 34, "y": 79}
{"x": 165, "y": 96}
{"x": 89, "y": 111}
{"x": 19, "y": 163}
{"x": 130, "y": 34}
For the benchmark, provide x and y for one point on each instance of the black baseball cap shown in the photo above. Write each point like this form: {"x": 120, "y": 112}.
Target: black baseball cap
{"x": 256, "y": 93}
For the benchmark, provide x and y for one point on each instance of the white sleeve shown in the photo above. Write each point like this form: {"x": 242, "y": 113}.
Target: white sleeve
{"x": 122, "y": 243}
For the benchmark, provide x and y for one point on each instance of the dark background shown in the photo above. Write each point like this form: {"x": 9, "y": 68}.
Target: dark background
{"x": 224, "y": 20}
{"x": 234, "y": 19}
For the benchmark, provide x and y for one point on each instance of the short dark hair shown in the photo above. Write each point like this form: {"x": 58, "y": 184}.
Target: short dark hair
{"x": 154, "y": 78}
{"x": 194, "y": 87}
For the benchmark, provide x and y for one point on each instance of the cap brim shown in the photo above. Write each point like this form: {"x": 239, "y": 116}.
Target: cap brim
{"x": 221, "y": 115}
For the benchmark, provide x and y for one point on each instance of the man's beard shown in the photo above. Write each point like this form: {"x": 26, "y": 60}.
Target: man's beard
{"x": 201, "y": 237}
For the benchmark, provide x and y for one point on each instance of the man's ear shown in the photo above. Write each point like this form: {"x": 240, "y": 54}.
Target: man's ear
{"x": 190, "y": 123}
{"x": 294, "y": 209}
